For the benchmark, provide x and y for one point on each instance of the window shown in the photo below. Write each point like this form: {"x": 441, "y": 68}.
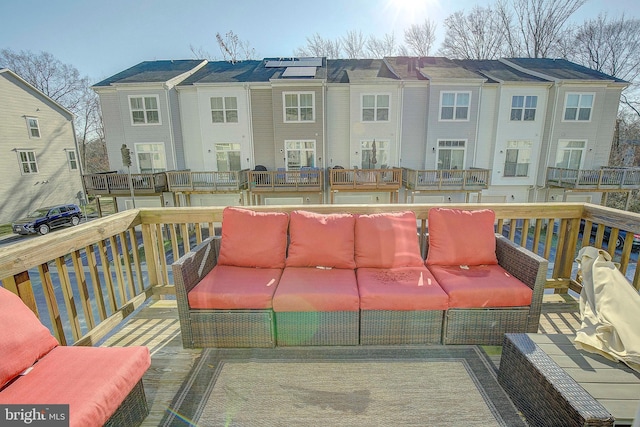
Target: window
{"x": 224, "y": 109}
{"x": 228, "y": 157}
{"x": 570, "y": 154}
{"x": 28, "y": 164}
{"x": 144, "y": 110}
{"x": 524, "y": 108}
{"x": 578, "y": 107}
{"x": 454, "y": 105}
{"x": 298, "y": 107}
{"x": 374, "y": 154}
{"x": 375, "y": 108}
{"x": 151, "y": 158}
{"x": 451, "y": 154}
{"x": 300, "y": 154}
{"x": 518, "y": 158}
{"x": 34, "y": 128}
{"x": 72, "y": 158}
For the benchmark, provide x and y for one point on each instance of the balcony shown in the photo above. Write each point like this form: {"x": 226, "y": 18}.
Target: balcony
{"x": 366, "y": 180}
{"x": 84, "y": 281}
{"x": 468, "y": 181}
{"x": 119, "y": 184}
{"x": 604, "y": 179}
{"x": 207, "y": 182}
{"x": 305, "y": 180}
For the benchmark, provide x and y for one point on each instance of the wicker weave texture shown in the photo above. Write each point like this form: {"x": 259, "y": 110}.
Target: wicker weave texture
{"x": 542, "y": 391}
{"x": 483, "y": 326}
{"x": 317, "y": 328}
{"x": 132, "y": 411}
{"x": 232, "y": 328}
{"x": 383, "y": 327}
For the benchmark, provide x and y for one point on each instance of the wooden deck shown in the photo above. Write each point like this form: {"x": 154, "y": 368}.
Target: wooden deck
{"x": 156, "y": 325}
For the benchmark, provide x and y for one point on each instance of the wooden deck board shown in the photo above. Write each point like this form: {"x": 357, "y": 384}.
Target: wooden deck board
{"x": 156, "y": 325}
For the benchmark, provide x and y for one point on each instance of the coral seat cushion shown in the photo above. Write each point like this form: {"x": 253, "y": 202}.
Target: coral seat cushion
{"x": 253, "y": 239}
{"x": 459, "y": 237}
{"x": 23, "y": 339}
{"x": 387, "y": 240}
{"x": 93, "y": 381}
{"x": 321, "y": 240}
{"x": 398, "y": 289}
{"x": 481, "y": 286}
{"x": 230, "y": 287}
{"x": 313, "y": 289}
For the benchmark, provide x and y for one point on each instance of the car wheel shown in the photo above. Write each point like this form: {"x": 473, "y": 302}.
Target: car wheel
{"x": 43, "y": 229}
{"x": 619, "y": 242}
{"x": 75, "y": 220}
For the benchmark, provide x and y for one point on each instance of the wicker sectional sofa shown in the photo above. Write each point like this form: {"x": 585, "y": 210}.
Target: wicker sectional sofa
{"x": 342, "y": 279}
{"x": 100, "y": 385}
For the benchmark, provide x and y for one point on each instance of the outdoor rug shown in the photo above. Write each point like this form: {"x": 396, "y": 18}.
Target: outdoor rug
{"x": 343, "y": 386}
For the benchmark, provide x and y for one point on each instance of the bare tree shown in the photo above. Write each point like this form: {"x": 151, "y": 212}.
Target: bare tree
{"x": 353, "y": 44}
{"x": 381, "y": 47}
{"x": 200, "y": 52}
{"x": 533, "y": 28}
{"x": 233, "y": 49}
{"x": 475, "y": 35}
{"x": 319, "y": 46}
{"x": 420, "y": 38}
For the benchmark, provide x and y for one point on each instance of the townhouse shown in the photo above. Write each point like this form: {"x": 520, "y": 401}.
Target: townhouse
{"x": 511, "y": 118}
{"x": 39, "y": 153}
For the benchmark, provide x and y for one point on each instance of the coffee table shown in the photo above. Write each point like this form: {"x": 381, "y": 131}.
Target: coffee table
{"x": 552, "y": 383}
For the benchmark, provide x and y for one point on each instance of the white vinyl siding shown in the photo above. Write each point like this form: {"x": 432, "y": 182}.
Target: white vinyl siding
{"x": 144, "y": 110}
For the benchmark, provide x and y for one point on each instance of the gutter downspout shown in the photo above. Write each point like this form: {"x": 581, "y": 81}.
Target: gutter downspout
{"x": 252, "y": 154}
{"x": 551, "y": 133}
{"x": 170, "y": 120}
{"x": 324, "y": 132}
{"x": 400, "y": 115}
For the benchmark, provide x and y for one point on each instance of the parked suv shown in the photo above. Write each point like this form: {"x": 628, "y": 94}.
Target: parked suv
{"x": 607, "y": 232}
{"x": 44, "y": 219}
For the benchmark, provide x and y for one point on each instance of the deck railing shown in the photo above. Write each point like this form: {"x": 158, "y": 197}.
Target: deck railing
{"x": 82, "y": 281}
{"x": 446, "y": 180}
{"x": 207, "y": 181}
{"x": 303, "y": 180}
{"x": 365, "y": 179}
{"x": 605, "y": 178}
{"x": 120, "y": 183}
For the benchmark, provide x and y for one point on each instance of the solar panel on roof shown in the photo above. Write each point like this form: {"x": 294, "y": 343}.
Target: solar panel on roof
{"x": 295, "y": 62}
{"x": 299, "y": 72}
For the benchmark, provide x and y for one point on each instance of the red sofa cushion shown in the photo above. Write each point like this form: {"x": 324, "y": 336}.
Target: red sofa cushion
{"x": 93, "y": 381}
{"x": 458, "y": 237}
{"x": 253, "y": 239}
{"x": 387, "y": 240}
{"x": 229, "y": 287}
{"x": 314, "y": 289}
{"x": 23, "y": 339}
{"x": 321, "y": 240}
{"x": 481, "y": 286}
{"x": 403, "y": 288}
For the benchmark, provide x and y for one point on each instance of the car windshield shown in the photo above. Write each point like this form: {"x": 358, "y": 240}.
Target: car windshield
{"x": 38, "y": 214}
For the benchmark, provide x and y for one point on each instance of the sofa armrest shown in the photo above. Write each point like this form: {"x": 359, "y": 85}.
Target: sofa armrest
{"x": 529, "y": 268}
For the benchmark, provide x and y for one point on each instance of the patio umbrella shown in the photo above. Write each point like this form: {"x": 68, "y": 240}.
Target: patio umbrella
{"x": 373, "y": 154}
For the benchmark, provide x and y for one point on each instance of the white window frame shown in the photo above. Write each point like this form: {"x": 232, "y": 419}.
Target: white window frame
{"x": 580, "y": 95}
{"x": 524, "y": 150}
{"x": 382, "y": 153}
{"x": 30, "y": 128}
{"x": 524, "y": 109}
{"x": 225, "y": 109}
{"x": 226, "y": 148}
{"x": 144, "y": 110}
{"x": 72, "y": 157}
{"x": 442, "y": 147}
{"x": 288, "y": 146}
{"x": 298, "y": 107}
{"x": 31, "y": 163}
{"x": 376, "y": 108}
{"x": 161, "y": 152}
{"x": 455, "y": 106}
{"x": 562, "y": 147}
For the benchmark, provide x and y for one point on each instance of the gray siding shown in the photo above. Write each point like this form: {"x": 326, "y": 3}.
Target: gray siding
{"x": 262, "y": 120}
{"x": 337, "y": 126}
{"x": 414, "y": 127}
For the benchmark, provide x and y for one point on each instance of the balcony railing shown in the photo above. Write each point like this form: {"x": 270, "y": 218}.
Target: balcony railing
{"x": 446, "y": 180}
{"x": 82, "y": 281}
{"x": 119, "y": 184}
{"x": 365, "y": 179}
{"x": 594, "y": 179}
{"x": 304, "y": 180}
{"x": 208, "y": 181}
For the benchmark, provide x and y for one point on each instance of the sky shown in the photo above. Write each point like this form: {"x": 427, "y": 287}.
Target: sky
{"x": 102, "y": 38}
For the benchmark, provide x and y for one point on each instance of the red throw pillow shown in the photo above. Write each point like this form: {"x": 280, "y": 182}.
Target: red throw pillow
{"x": 387, "y": 240}
{"x": 253, "y": 239}
{"x": 460, "y": 237}
{"x": 319, "y": 240}
{"x": 23, "y": 340}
